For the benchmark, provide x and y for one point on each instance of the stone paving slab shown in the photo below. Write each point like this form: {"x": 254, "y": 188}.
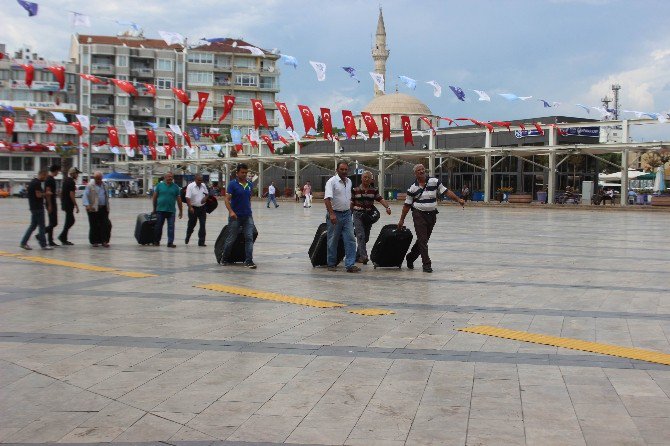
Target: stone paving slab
{"x": 90, "y": 358}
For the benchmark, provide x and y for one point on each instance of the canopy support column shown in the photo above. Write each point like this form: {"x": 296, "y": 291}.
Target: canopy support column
{"x": 487, "y": 167}
{"x": 382, "y": 173}
{"x": 431, "y": 157}
{"x": 624, "y": 163}
{"x": 551, "y": 186}
{"x": 296, "y": 167}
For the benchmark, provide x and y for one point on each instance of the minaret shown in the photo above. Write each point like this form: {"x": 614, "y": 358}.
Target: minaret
{"x": 380, "y": 53}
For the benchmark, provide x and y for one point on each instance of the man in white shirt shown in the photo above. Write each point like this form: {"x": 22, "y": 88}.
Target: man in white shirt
{"x": 271, "y": 195}
{"x": 196, "y": 197}
{"x": 337, "y": 197}
{"x": 307, "y": 193}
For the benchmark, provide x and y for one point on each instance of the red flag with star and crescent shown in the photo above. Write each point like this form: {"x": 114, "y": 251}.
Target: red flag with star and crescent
{"x": 59, "y": 74}
{"x": 150, "y": 89}
{"x": 171, "y": 142}
{"x": 430, "y": 124}
{"x": 407, "y": 130}
{"x": 228, "y": 103}
{"x": 50, "y": 127}
{"x": 153, "y": 152}
{"x": 349, "y": 124}
{"x": 327, "y": 121}
{"x": 132, "y": 141}
{"x": 202, "y": 101}
{"x": 370, "y": 124}
{"x": 260, "y": 120}
{"x": 77, "y": 126}
{"x": 386, "y": 127}
{"x": 181, "y": 95}
{"x": 30, "y": 122}
{"x": 307, "y": 118}
{"x": 539, "y": 128}
{"x": 126, "y": 86}
{"x": 9, "y": 125}
{"x": 267, "y": 140}
{"x": 187, "y": 139}
{"x": 113, "y": 136}
{"x": 288, "y": 122}
{"x": 30, "y": 74}
{"x": 91, "y": 78}
{"x": 151, "y": 136}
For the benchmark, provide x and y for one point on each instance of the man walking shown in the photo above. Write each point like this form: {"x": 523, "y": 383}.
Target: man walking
{"x": 36, "y": 203}
{"x": 271, "y": 195}
{"x": 52, "y": 205}
{"x": 422, "y": 200}
{"x": 307, "y": 192}
{"x": 362, "y": 199}
{"x": 196, "y": 197}
{"x": 166, "y": 195}
{"x": 338, "y": 203}
{"x": 96, "y": 201}
{"x": 238, "y": 203}
{"x": 68, "y": 203}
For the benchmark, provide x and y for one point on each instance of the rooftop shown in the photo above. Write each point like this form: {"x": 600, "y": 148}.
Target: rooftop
{"x": 397, "y": 104}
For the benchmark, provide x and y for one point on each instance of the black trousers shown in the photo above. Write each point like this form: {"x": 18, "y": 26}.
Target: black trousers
{"x": 69, "y": 222}
{"x": 53, "y": 222}
{"x": 423, "y": 226}
{"x": 100, "y": 227}
{"x": 198, "y": 215}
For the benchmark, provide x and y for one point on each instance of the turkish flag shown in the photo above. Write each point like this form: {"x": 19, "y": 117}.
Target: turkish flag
{"x": 239, "y": 147}
{"x": 150, "y": 89}
{"x": 268, "y": 141}
{"x": 407, "y": 129}
{"x": 77, "y": 126}
{"x": 202, "y": 101}
{"x": 171, "y": 142}
{"x": 168, "y": 149}
{"x": 59, "y": 74}
{"x": 260, "y": 120}
{"x": 349, "y": 124}
{"x": 288, "y": 122}
{"x": 187, "y": 139}
{"x": 539, "y": 128}
{"x": 151, "y": 136}
{"x": 50, "y": 127}
{"x": 132, "y": 141}
{"x": 284, "y": 140}
{"x": 30, "y": 123}
{"x": 113, "y": 136}
{"x": 181, "y": 95}
{"x": 427, "y": 121}
{"x": 9, "y": 125}
{"x": 307, "y": 118}
{"x": 100, "y": 143}
{"x": 126, "y": 86}
{"x": 252, "y": 141}
{"x": 30, "y": 74}
{"x": 327, "y": 120}
{"x": 370, "y": 124}
{"x": 503, "y": 124}
{"x": 91, "y": 128}
{"x": 386, "y": 127}
{"x": 153, "y": 152}
{"x": 228, "y": 103}
{"x": 90, "y": 77}
{"x": 522, "y": 127}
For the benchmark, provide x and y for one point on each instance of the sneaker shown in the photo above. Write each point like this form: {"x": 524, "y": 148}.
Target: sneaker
{"x": 364, "y": 260}
{"x": 68, "y": 243}
{"x": 187, "y": 239}
{"x": 95, "y": 245}
{"x": 171, "y": 245}
{"x": 332, "y": 268}
{"x": 250, "y": 265}
{"x": 105, "y": 245}
{"x": 202, "y": 244}
{"x": 225, "y": 263}
{"x": 26, "y": 247}
{"x": 353, "y": 269}
{"x": 54, "y": 244}
{"x": 47, "y": 248}
{"x": 410, "y": 263}
{"x": 156, "y": 243}
{"x": 427, "y": 269}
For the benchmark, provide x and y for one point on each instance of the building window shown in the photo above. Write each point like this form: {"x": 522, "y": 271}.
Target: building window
{"x": 164, "y": 122}
{"x": 244, "y": 95}
{"x": 121, "y": 61}
{"x": 200, "y": 78}
{"x": 164, "y": 65}
{"x": 122, "y": 101}
{"x": 267, "y": 82}
{"x": 122, "y": 77}
{"x": 165, "y": 104}
{"x": 243, "y": 114}
{"x": 245, "y": 62}
{"x": 207, "y": 113}
{"x": 164, "y": 83}
{"x": 267, "y": 98}
{"x": 16, "y": 163}
{"x": 201, "y": 57}
{"x": 28, "y": 163}
{"x": 4, "y": 163}
{"x": 223, "y": 62}
{"x": 246, "y": 80}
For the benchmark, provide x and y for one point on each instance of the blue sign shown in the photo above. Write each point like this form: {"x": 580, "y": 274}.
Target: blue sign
{"x": 592, "y": 132}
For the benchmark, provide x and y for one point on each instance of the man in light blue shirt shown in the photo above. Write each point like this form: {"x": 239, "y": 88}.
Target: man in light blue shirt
{"x": 96, "y": 201}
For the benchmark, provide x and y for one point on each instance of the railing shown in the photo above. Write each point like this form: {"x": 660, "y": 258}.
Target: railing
{"x": 268, "y": 85}
{"x": 142, "y": 72}
{"x": 102, "y": 89}
{"x": 102, "y": 107}
{"x": 222, "y": 83}
{"x": 102, "y": 68}
{"x": 139, "y": 110}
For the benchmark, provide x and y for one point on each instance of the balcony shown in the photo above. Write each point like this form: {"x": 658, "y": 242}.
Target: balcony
{"x": 101, "y": 108}
{"x": 98, "y": 68}
{"x": 102, "y": 89}
{"x": 222, "y": 83}
{"x": 139, "y": 110}
{"x": 223, "y": 67}
{"x": 142, "y": 72}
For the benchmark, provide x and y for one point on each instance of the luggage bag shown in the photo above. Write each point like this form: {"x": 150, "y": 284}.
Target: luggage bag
{"x": 145, "y": 228}
{"x": 237, "y": 252}
{"x": 391, "y": 247}
{"x": 318, "y": 251}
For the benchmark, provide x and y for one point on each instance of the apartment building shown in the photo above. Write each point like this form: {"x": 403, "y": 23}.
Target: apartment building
{"x": 27, "y": 150}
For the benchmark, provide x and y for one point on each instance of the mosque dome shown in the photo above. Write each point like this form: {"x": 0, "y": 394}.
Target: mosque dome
{"x": 397, "y": 104}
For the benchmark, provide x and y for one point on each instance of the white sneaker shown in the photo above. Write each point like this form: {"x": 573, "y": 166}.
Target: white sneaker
{"x": 47, "y": 248}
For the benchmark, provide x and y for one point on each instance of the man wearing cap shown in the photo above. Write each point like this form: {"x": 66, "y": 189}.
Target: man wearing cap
{"x": 68, "y": 203}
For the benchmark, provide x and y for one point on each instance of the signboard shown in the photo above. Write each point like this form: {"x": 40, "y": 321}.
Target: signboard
{"x": 591, "y": 132}
{"x": 21, "y": 105}
{"x": 36, "y": 86}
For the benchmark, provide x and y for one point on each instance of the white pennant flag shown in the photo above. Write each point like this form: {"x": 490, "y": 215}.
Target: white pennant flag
{"x": 363, "y": 135}
{"x": 31, "y": 111}
{"x": 482, "y": 95}
{"x": 253, "y": 135}
{"x": 80, "y": 19}
{"x": 84, "y": 121}
{"x": 130, "y": 127}
{"x": 172, "y": 38}
{"x": 176, "y": 129}
{"x": 130, "y": 152}
{"x": 294, "y": 135}
{"x": 320, "y": 69}
{"x": 255, "y": 51}
{"x": 378, "y": 79}
{"x": 437, "y": 89}
{"x": 160, "y": 149}
{"x": 114, "y": 150}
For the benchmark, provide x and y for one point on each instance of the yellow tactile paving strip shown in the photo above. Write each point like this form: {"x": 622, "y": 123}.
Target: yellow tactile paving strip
{"x": 575, "y": 344}
{"x": 84, "y": 266}
{"x": 371, "y": 312}
{"x": 246, "y": 292}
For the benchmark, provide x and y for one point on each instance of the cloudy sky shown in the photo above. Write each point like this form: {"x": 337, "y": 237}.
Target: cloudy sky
{"x": 569, "y": 51}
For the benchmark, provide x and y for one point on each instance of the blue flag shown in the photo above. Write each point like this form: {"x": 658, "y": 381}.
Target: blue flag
{"x": 215, "y": 39}
{"x": 195, "y": 131}
{"x": 153, "y": 125}
{"x": 545, "y": 103}
{"x": 352, "y": 73}
{"x": 8, "y": 108}
{"x": 145, "y": 150}
{"x": 104, "y": 120}
{"x": 236, "y": 136}
{"x": 58, "y": 116}
{"x": 274, "y": 135}
{"x": 29, "y": 6}
{"x": 289, "y": 60}
{"x": 133, "y": 25}
{"x": 458, "y": 91}
{"x": 411, "y": 83}
{"x": 203, "y": 148}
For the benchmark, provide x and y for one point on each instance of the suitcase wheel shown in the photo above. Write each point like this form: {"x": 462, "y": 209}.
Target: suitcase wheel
{"x": 375, "y": 265}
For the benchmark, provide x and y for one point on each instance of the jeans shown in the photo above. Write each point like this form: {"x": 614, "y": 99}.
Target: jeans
{"x": 161, "y": 216}
{"x": 69, "y": 222}
{"x": 273, "y": 199}
{"x": 36, "y": 221}
{"x": 344, "y": 228}
{"x": 362, "y": 232}
{"x": 53, "y": 222}
{"x": 247, "y": 224}
{"x": 198, "y": 215}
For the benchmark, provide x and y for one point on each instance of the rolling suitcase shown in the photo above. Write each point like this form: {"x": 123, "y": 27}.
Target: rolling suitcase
{"x": 318, "y": 251}
{"x": 391, "y": 247}
{"x": 145, "y": 229}
{"x": 237, "y": 252}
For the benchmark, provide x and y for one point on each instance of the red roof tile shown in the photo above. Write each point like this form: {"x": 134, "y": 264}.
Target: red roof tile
{"x": 130, "y": 42}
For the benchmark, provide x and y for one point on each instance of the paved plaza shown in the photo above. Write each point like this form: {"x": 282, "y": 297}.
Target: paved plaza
{"x": 93, "y": 356}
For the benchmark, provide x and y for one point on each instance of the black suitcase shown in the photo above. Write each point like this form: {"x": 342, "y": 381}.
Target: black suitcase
{"x": 145, "y": 229}
{"x": 318, "y": 251}
{"x": 391, "y": 247}
{"x": 237, "y": 252}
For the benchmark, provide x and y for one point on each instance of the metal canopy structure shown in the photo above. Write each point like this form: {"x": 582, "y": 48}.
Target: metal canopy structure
{"x": 386, "y": 158}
